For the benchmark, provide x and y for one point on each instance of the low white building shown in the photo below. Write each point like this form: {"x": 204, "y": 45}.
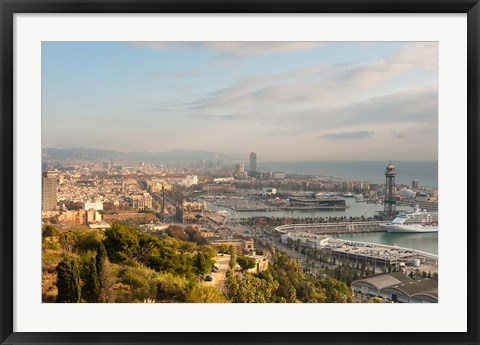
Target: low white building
{"x": 269, "y": 191}
{"x": 97, "y": 205}
{"x": 189, "y": 180}
{"x": 223, "y": 180}
{"x": 312, "y": 240}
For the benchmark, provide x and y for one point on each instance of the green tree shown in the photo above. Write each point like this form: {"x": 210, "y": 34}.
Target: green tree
{"x": 91, "y": 283}
{"x": 202, "y": 264}
{"x": 336, "y": 291}
{"x": 246, "y": 262}
{"x": 121, "y": 242}
{"x": 250, "y": 289}
{"x": 68, "y": 281}
{"x": 233, "y": 258}
{"x": 67, "y": 240}
{"x": 105, "y": 278}
{"x": 49, "y": 231}
{"x": 101, "y": 258}
{"x": 87, "y": 241}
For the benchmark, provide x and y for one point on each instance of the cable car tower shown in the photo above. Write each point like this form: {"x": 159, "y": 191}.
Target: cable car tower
{"x": 389, "y": 202}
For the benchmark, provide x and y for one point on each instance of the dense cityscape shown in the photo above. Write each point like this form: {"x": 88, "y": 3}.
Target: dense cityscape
{"x": 240, "y": 172}
{"x": 232, "y": 231}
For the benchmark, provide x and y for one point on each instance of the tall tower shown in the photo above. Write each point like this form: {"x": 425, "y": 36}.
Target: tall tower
{"x": 389, "y": 202}
{"x": 253, "y": 162}
{"x": 49, "y": 190}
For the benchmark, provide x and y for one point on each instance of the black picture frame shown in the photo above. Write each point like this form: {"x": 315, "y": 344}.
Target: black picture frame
{"x": 10, "y": 7}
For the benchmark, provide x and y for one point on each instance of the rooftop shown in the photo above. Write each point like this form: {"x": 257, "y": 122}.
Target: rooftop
{"x": 385, "y": 280}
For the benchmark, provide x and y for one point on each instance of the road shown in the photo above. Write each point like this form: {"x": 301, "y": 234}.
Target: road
{"x": 219, "y": 277}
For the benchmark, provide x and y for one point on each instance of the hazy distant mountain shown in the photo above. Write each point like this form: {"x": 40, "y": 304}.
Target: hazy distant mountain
{"x": 172, "y": 156}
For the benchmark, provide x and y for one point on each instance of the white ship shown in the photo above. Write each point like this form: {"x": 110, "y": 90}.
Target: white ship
{"x": 222, "y": 213}
{"x": 322, "y": 195}
{"x": 417, "y": 221}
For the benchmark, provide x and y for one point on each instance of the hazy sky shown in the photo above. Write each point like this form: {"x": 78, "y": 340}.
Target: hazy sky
{"x": 294, "y": 101}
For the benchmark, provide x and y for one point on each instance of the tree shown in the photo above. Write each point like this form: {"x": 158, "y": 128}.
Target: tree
{"x": 49, "y": 231}
{"x": 250, "y": 289}
{"x": 101, "y": 258}
{"x": 246, "y": 262}
{"x": 105, "y": 281}
{"x": 68, "y": 281}
{"x": 177, "y": 232}
{"x": 87, "y": 241}
{"x": 121, "y": 242}
{"x": 336, "y": 291}
{"x": 67, "y": 241}
{"x": 202, "y": 264}
{"x": 233, "y": 258}
{"x": 91, "y": 283}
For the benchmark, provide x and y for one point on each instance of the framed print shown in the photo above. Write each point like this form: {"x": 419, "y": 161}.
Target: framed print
{"x": 255, "y": 172}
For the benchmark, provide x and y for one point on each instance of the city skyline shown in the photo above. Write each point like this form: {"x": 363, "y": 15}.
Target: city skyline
{"x": 303, "y": 101}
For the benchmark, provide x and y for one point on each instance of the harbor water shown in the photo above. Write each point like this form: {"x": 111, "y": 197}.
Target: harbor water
{"x": 427, "y": 242}
{"x": 355, "y": 209}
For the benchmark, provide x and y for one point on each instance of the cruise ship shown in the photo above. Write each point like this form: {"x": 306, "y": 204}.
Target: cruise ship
{"x": 417, "y": 221}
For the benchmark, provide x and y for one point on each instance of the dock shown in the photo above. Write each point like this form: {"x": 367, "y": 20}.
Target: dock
{"x": 332, "y": 228}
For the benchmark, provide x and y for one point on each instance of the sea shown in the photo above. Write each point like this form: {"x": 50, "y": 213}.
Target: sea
{"x": 426, "y": 172}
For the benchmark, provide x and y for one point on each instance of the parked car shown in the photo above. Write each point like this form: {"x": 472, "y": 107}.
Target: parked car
{"x": 209, "y": 278}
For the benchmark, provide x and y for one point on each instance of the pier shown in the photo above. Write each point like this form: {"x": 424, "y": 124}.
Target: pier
{"x": 293, "y": 208}
{"x": 332, "y": 228}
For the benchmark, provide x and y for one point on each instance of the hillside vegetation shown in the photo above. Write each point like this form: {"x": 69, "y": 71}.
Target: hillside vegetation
{"x": 123, "y": 265}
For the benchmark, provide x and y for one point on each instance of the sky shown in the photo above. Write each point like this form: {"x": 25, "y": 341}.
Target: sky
{"x": 287, "y": 101}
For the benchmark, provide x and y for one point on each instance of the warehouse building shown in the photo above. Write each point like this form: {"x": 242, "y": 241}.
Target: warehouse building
{"x": 398, "y": 288}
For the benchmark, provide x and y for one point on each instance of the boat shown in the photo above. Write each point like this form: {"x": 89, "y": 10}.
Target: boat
{"x": 322, "y": 195}
{"x": 360, "y": 198}
{"x": 223, "y": 213}
{"x": 418, "y": 221}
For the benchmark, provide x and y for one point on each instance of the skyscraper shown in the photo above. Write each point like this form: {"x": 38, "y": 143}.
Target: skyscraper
{"x": 253, "y": 162}
{"x": 49, "y": 190}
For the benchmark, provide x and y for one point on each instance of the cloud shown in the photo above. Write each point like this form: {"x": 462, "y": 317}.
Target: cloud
{"x": 415, "y": 106}
{"x": 233, "y": 48}
{"x": 347, "y": 135}
{"x": 322, "y": 86}
{"x": 420, "y": 54}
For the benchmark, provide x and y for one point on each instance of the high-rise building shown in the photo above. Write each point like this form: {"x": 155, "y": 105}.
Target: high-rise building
{"x": 49, "y": 190}
{"x": 415, "y": 185}
{"x": 239, "y": 169}
{"x": 253, "y": 162}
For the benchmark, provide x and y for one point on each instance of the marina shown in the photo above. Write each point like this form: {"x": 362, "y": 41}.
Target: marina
{"x": 353, "y": 209}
